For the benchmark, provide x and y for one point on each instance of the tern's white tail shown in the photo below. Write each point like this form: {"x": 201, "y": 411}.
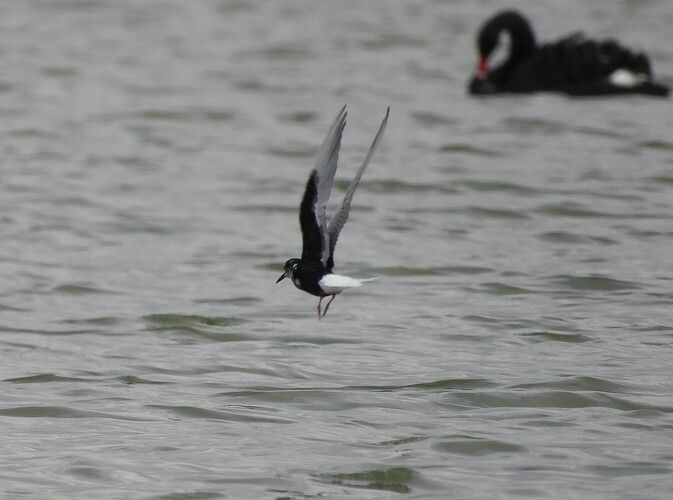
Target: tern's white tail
{"x": 336, "y": 283}
{"x": 365, "y": 280}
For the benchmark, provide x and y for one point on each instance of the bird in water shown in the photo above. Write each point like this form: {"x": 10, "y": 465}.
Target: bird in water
{"x": 574, "y": 65}
{"x": 312, "y": 273}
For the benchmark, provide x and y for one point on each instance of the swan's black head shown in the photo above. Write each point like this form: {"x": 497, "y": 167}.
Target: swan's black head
{"x": 509, "y": 21}
{"x": 518, "y": 28}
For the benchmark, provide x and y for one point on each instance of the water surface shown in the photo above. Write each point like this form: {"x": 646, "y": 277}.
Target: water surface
{"x": 517, "y": 345}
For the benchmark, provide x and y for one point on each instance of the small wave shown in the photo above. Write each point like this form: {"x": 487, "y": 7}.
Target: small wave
{"x": 396, "y": 479}
{"x": 600, "y": 132}
{"x": 487, "y": 186}
{"x": 575, "y": 239}
{"x": 393, "y": 40}
{"x": 135, "y": 380}
{"x": 499, "y": 289}
{"x": 195, "y": 412}
{"x": 78, "y": 289}
{"x": 661, "y": 145}
{"x": 283, "y": 52}
{"x": 551, "y": 399}
{"x": 175, "y": 115}
{"x": 61, "y": 412}
{"x": 291, "y": 153}
{"x": 468, "y": 149}
{"x": 452, "y": 383}
{"x": 397, "y": 186}
{"x": 404, "y": 271}
{"x": 44, "y": 378}
{"x": 237, "y": 301}
{"x": 496, "y": 213}
{"x": 190, "y": 319}
{"x": 571, "y": 338}
{"x": 578, "y": 384}
{"x": 629, "y": 469}
{"x": 213, "y": 328}
{"x": 662, "y": 179}
{"x": 536, "y": 126}
{"x": 433, "y": 119}
{"x": 593, "y": 283}
{"x": 474, "y": 446}
{"x": 570, "y": 209}
{"x": 298, "y": 117}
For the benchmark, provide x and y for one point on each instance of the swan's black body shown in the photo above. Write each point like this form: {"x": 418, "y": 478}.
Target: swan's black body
{"x": 573, "y": 65}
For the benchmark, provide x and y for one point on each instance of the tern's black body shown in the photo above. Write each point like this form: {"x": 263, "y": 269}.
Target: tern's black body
{"x": 574, "y": 65}
{"x": 313, "y": 272}
{"x": 311, "y": 262}
{"x": 307, "y": 275}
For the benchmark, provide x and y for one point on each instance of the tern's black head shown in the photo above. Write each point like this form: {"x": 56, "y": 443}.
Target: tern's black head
{"x": 290, "y": 266}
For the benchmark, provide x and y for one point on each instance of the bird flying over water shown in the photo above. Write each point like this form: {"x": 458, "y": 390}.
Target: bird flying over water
{"x": 312, "y": 273}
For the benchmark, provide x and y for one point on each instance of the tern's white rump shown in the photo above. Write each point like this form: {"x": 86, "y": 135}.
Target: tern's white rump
{"x": 332, "y": 284}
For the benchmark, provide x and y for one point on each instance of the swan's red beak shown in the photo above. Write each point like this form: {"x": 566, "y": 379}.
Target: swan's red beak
{"x": 482, "y": 67}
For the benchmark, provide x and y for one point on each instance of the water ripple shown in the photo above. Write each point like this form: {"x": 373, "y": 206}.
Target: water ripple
{"x": 429, "y": 271}
{"x": 545, "y": 336}
{"x": 552, "y": 399}
{"x": 62, "y": 412}
{"x": 571, "y": 238}
{"x": 474, "y": 446}
{"x": 578, "y": 384}
{"x": 154, "y": 156}
{"x": 42, "y": 378}
{"x": 195, "y": 412}
{"x": 468, "y": 149}
{"x": 395, "y": 479}
{"x": 499, "y": 289}
{"x": 593, "y": 283}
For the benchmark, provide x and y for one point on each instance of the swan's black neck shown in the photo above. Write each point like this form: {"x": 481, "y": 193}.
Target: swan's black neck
{"x": 519, "y": 30}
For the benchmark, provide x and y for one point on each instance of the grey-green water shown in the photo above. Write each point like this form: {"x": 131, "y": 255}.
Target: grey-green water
{"x": 518, "y": 343}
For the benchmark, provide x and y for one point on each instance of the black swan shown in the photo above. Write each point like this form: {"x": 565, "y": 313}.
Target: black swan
{"x": 573, "y": 65}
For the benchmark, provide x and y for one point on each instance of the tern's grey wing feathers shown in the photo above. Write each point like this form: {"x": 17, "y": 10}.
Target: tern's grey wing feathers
{"x": 340, "y": 217}
{"x": 323, "y": 174}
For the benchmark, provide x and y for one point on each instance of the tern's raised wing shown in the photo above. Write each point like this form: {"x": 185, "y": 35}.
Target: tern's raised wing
{"x": 340, "y": 217}
{"x": 316, "y": 245}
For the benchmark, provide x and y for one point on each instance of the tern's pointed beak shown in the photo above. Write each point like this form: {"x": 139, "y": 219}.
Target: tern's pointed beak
{"x": 282, "y": 277}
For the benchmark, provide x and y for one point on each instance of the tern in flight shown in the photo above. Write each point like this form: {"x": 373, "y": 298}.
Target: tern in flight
{"x": 312, "y": 273}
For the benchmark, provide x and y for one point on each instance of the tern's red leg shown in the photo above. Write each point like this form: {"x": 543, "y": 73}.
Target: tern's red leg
{"x": 319, "y": 302}
{"x": 327, "y": 306}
